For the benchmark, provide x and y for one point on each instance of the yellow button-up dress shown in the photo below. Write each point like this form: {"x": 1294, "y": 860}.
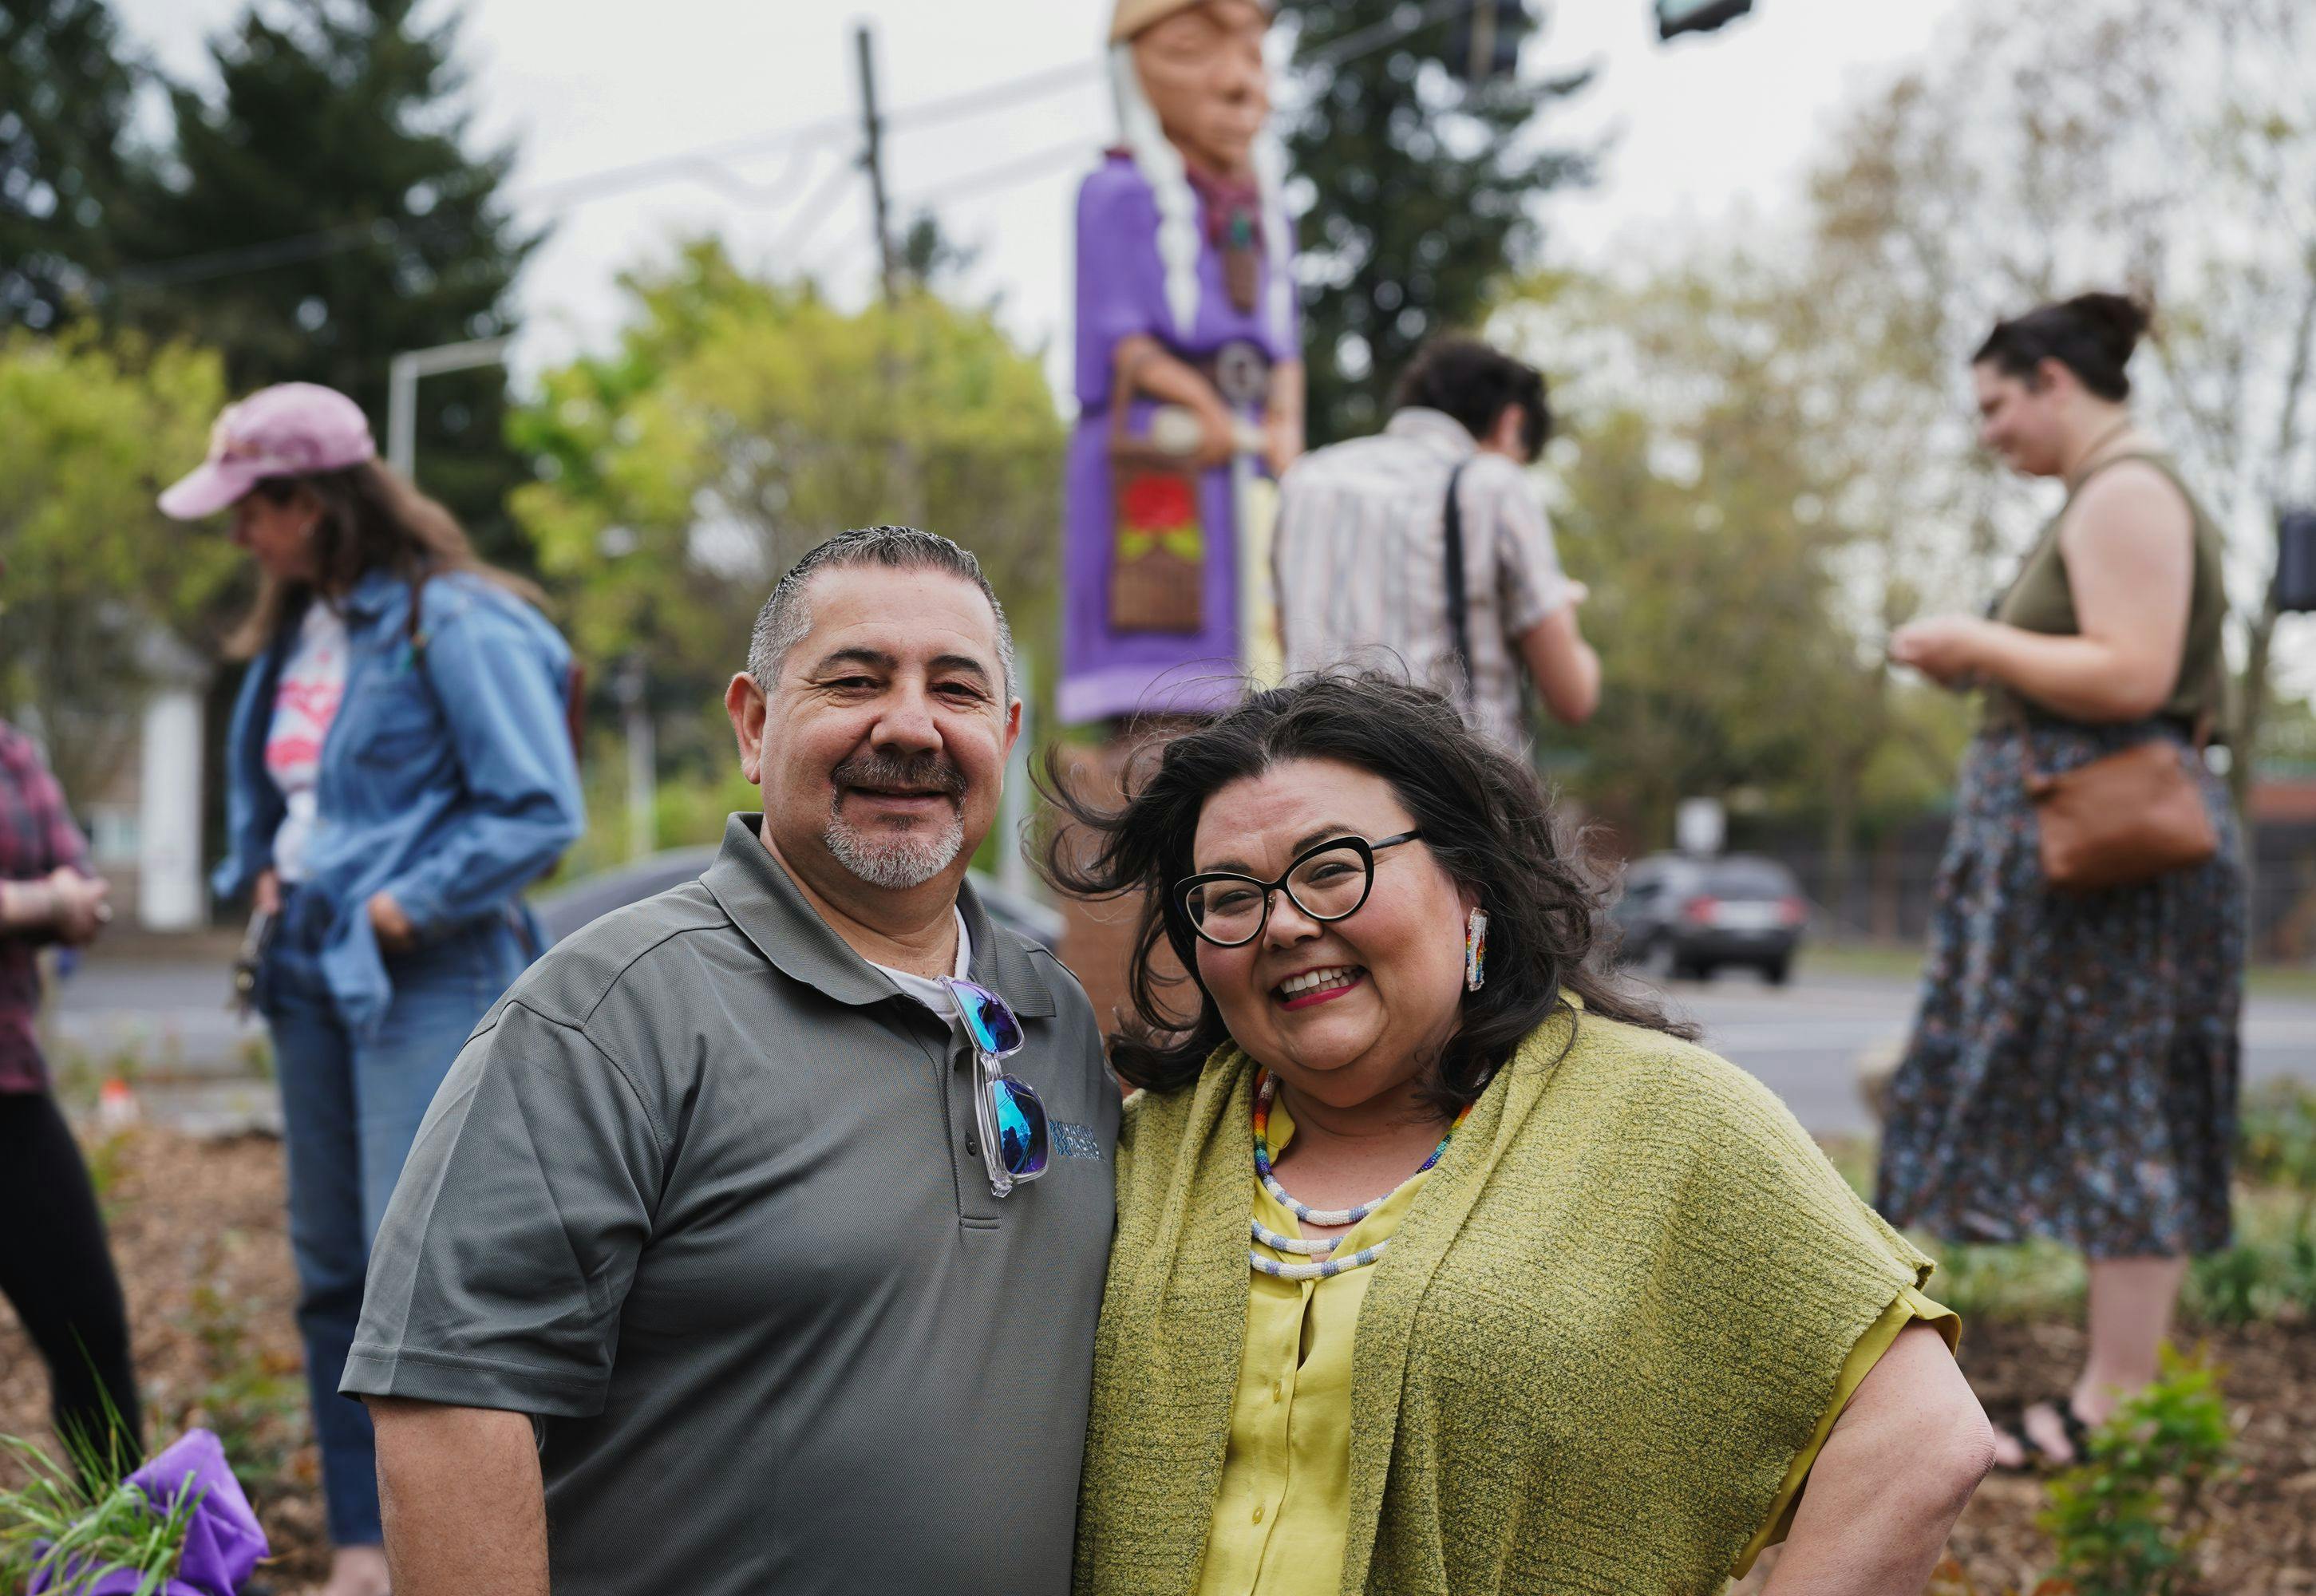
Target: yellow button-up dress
{"x": 1283, "y": 1509}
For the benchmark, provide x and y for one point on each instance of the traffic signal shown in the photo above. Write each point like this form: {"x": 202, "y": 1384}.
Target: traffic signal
{"x": 1484, "y": 41}
{"x": 1697, "y": 16}
{"x": 2296, "y": 560}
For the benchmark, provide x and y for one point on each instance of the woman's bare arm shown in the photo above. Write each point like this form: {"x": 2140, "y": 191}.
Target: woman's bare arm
{"x": 1892, "y": 1478}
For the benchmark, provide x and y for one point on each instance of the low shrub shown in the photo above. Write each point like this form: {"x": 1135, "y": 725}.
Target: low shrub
{"x": 2128, "y": 1520}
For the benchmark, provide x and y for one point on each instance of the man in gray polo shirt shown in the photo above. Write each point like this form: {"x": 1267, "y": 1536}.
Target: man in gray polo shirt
{"x": 699, "y": 1279}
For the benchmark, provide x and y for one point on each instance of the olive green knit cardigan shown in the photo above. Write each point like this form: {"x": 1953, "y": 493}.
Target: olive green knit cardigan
{"x": 1608, "y": 1325}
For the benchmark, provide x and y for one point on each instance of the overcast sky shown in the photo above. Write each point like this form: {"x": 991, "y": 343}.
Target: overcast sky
{"x": 1707, "y": 124}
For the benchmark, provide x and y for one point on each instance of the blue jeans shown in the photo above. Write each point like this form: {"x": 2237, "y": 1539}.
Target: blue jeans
{"x": 349, "y": 1112}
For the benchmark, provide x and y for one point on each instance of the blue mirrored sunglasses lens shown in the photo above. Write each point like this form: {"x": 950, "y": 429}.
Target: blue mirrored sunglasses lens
{"x": 993, "y": 1027}
{"x": 1022, "y": 1141}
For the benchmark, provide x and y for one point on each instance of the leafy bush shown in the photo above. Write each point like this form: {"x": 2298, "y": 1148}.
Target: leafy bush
{"x": 2127, "y": 1521}
{"x": 2269, "y": 1274}
{"x": 2276, "y": 1136}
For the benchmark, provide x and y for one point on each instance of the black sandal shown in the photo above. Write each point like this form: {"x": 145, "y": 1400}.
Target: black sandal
{"x": 2013, "y": 1424}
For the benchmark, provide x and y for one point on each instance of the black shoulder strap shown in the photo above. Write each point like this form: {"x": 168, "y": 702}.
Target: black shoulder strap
{"x": 1459, "y": 621}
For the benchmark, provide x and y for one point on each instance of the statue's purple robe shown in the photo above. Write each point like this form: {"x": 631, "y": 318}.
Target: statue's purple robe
{"x": 1121, "y": 290}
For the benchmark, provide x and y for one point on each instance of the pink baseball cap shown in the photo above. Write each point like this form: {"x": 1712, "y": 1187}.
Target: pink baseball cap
{"x": 288, "y": 429}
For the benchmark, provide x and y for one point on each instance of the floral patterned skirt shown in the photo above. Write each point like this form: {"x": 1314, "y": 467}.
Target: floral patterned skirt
{"x": 2073, "y": 1070}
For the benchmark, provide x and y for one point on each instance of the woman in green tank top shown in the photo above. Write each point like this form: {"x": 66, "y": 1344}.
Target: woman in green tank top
{"x": 2073, "y": 1070}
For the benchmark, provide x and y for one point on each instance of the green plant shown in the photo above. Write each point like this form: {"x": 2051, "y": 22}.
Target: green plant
{"x": 2269, "y": 1274}
{"x": 108, "y": 1156}
{"x": 253, "y": 1401}
{"x": 256, "y": 1053}
{"x": 2275, "y": 1136}
{"x": 2033, "y": 1279}
{"x": 2128, "y": 1520}
{"x": 75, "y": 1521}
{"x": 2231, "y": 1289}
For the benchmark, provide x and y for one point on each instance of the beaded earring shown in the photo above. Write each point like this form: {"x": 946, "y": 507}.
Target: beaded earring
{"x": 1475, "y": 951}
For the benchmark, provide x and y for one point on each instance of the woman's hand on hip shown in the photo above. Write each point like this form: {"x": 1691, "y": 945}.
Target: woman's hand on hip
{"x": 395, "y": 934}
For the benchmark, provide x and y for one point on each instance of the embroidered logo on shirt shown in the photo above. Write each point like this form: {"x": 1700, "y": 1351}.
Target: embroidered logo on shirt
{"x": 1075, "y": 1141}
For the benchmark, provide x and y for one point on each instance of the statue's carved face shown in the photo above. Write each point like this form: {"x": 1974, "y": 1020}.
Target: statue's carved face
{"x": 1201, "y": 69}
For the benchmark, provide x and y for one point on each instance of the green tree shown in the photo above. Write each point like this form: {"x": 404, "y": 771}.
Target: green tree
{"x": 67, "y": 168}
{"x": 1739, "y": 582}
{"x": 1421, "y": 188}
{"x": 740, "y": 421}
{"x": 94, "y": 576}
{"x": 325, "y": 214}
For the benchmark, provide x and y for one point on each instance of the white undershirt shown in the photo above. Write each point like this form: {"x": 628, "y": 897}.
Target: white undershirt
{"x": 312, "y": 682}
{"x": 928, "y": 991}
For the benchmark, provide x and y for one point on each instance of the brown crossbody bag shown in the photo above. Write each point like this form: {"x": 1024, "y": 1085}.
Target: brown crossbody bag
{"x": 2126, "y": 817}
{"x": 2121, "y": 819}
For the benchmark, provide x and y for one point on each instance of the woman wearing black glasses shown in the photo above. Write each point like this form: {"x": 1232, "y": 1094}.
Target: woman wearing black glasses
{"x": 1442, "y": 1263}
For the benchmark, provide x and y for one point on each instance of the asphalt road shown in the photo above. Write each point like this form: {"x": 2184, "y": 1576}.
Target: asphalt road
{"x": 1804, "y": 1040}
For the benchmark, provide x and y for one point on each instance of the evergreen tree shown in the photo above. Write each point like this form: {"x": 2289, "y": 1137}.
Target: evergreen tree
{"x": 1422, "y": 184}
{"x": 326, "y": 214}
{"x": 66, "y": 96}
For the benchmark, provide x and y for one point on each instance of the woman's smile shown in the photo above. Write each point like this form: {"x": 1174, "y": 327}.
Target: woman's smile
{"x": 1313, "y": 987}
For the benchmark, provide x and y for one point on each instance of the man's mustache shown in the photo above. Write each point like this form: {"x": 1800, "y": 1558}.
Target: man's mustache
{"x": 925, "y": 772}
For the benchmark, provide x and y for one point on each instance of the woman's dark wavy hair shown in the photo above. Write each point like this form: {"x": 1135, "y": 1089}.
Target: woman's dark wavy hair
{"x": 1483, "y": 813}
{"x": 2090, "y": 335}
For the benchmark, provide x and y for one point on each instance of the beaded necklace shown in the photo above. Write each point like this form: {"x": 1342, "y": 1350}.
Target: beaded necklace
{"x": 1323, "y": 1248}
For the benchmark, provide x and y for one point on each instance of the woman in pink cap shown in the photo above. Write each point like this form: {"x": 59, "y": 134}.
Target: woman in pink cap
{"x": 399, "y": 767}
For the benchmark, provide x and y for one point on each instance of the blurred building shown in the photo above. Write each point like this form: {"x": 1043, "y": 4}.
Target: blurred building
{"x": 144, "y": 826}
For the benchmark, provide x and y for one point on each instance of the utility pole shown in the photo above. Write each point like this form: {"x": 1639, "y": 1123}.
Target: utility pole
{"x": 632, "y": 687}
{"x": 872, "y": 160}
{"x": 402, "y": 390}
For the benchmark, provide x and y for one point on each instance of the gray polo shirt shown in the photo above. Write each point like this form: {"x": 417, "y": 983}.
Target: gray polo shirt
{"x": 701, "y": 1194}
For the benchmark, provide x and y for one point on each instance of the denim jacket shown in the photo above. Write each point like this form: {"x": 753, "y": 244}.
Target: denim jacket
{"x": 447, "y": 778}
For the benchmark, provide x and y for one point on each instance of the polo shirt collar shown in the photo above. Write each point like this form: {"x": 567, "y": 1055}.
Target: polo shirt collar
{"x": 772, "y": 912}
{"x": 1437, "y": 428}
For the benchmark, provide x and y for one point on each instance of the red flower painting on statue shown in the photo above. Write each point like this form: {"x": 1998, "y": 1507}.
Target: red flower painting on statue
{"x": 1159, "y": 503}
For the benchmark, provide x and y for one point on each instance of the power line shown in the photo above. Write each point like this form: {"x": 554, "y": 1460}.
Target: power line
{"x": 816, "y": 210}
{"x": 707, "y": 164}
{"x": 1352, "y": 46}
{"x": 1020, "y": 91}
{"x": 1006, "y": 173}
{"x": 701, "y": 164}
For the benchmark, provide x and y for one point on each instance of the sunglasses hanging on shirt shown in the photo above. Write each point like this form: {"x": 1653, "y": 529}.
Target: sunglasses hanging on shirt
{"x": 1016, "y": 1144}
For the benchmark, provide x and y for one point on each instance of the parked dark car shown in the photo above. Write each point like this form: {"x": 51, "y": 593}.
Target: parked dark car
{"x": 1684, "y": 916}
{"x": 590, "y": 897}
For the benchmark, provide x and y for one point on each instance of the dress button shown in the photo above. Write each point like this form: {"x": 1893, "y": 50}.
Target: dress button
{"x": 1258, "y": 1513}
{"x": 1278, "y": 1391}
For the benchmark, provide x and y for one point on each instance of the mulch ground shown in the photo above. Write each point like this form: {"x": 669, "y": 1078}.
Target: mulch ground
{"x": 199, "y": 1234}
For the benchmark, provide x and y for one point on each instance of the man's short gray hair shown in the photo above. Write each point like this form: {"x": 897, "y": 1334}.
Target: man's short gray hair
{"x": 785, "y": 619}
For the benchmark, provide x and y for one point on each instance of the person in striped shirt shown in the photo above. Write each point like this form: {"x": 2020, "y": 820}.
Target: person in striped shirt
{"x": 1365, "y": 563}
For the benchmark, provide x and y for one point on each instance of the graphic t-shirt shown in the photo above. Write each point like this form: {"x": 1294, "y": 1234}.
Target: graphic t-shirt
{"x": 312, "y": 682}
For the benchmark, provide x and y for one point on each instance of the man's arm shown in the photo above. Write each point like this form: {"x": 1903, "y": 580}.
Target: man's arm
{"x": 1893, "y": 1475}
{"x": 1563, "y": 666}
{"x": 465, "y": 1509}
